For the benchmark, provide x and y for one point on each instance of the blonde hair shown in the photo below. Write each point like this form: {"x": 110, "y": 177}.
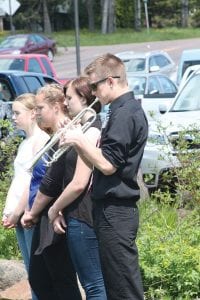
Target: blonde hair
{"x": 107, "y": 65}
{"x": 53, "y": 93}
{"x": 28, "y": 100}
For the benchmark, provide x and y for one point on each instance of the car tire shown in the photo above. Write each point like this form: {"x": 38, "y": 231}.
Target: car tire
{"x": 50, "y": 55}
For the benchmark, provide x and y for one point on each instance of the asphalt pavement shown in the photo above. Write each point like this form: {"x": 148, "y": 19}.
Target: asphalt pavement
{"x": 66, "y": 64}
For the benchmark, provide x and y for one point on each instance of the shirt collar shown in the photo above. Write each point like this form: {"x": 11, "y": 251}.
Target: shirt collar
{"x": 121, "y": 100}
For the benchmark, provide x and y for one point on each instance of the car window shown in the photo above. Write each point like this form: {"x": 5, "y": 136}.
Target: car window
{"x": 5, "y": 91}
{"x": 17, "y": 64}
{"x": 167, "y": 86}
{"x": 161, "y": 61}
{"x": 13, "y": 42}
{"x": 135, "y": 65}
{"x": 32, "y": 39}
{"x": 34, "y": 66}
{"x": 6, "y": 96}
{"x": 39, "y": 39}
{"x": 154, "y": 87}
{"x": 33, "y": 83}
{"x": 11, "y": 64}
{"x": 137, "y": 85}
{"x": 47, "y": 67}
{"x": 189, "y": 63}
{"x": 188, "y": 99}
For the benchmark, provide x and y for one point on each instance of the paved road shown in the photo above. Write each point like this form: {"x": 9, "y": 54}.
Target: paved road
{"x": 65, "y": 61}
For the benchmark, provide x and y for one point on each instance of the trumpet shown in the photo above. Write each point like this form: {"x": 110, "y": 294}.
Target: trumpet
{"x": 47, "y": 153}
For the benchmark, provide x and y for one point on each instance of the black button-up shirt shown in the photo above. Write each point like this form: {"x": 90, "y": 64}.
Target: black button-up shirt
{"x": 122, "y": 143}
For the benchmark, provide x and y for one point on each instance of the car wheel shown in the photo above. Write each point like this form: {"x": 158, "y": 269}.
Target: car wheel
{"x": 50, "y": 54}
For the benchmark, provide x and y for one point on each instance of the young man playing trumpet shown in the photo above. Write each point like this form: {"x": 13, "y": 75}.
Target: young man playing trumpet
{"x": 115, "y": 191}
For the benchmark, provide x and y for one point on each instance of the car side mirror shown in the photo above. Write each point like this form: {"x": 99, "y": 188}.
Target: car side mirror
{"x": 154, "y": 69}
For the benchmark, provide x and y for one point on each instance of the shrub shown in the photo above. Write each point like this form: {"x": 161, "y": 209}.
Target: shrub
{"x": 169, "y": 251}
{"x": 8, "y": 148}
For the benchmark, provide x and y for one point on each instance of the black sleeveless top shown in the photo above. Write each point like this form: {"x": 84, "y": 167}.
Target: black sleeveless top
{"x": 59, "y": 175}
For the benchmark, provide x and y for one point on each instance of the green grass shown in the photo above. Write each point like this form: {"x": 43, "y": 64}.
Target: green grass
{"x": 121, "y": 36}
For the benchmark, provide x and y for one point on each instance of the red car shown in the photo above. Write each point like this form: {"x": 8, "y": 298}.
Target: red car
{"x": 38, "y": 63}
{"x": 28, "y": 43}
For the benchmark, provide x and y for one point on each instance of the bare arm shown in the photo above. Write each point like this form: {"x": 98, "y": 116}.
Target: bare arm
{"x": 78, "y": 184}
{"x": 88, "y": 150}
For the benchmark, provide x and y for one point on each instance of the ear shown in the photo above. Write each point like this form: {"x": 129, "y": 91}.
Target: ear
{"x": 33, "y": 113}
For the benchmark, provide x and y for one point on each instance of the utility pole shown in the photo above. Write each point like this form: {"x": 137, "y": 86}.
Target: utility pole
{"x": 76, "y": 17}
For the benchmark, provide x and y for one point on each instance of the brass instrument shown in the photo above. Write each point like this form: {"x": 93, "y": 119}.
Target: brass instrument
{"x": 48, "y": 148}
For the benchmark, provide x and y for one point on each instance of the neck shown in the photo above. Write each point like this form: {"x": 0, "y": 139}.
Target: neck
{"x": 32, "y": 129}
{"x": 60, "y": 120}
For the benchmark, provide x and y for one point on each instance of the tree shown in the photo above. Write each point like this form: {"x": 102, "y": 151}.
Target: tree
{"x": 47, "y": 23}
{"x": 90, "y": 10}
{"x": 108, "y": 16}
{"x": 137, "y": 15}
{"x": 184, "y": 13}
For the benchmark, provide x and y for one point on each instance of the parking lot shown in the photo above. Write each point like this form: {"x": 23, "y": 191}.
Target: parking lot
{"x": 65, "y": 61}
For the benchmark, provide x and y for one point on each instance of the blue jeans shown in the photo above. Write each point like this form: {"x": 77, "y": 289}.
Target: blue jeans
{"x": 24, "y": 239}
{"x": 83, "y": 247}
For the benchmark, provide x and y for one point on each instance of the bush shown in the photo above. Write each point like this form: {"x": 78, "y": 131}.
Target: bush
{"x": 8, "y": 148}
{"x": 169, "y": 251}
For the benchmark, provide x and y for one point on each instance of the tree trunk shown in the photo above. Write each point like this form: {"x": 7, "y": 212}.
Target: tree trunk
{"x": 47, "y": 23}
{"x": 104, "y": 24}
{"x": 111, "y": 17}
{"x": 90, "y": 10}
{"x": 137, "y": 15}
{"x": 184, "y": 13}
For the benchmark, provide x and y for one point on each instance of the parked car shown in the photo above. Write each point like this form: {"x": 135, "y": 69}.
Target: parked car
{"x": 187, "y": 74}
{"x": 147, "y": 62}
{"x": 38, "y": 63}
{"x": 189, "y": 57}
{"x": 152, "y": 89}
{"x": 160, "y": 154}
{"x": 28, "y": 43}
{"x": 15, "y": 83}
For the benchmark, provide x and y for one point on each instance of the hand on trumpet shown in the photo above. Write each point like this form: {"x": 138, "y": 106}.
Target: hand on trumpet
{"x": 72, "y": 135}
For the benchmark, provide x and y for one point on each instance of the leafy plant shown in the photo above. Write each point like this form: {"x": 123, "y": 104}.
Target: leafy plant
{"x": 169, "y": 246}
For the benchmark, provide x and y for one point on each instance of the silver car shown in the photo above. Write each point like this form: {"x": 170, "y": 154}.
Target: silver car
{"x": 160, "y": 154}
{"x": 148, "y": 62}
{"x": 152, "y": 89}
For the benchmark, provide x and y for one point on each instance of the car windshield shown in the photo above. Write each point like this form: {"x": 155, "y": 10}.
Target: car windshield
{"x": 189, "y": 97}
{"x": 135, "y": 65}
{"x": 137, "y": 84}
{"x": 15, "y": 42}
{"x": 12, "y": 64}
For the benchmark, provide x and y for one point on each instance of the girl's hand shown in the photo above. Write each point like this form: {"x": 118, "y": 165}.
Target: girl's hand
{"x": 59, "y": 224}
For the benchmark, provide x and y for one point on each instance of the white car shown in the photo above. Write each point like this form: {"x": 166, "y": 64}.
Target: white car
{"x": 160, "y": 153}
{"x": 152, "y": 89}
{"x": 148, "y": 62}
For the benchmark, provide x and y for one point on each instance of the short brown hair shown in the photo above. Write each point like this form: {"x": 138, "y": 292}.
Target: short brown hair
{"x": 107, "y": 65}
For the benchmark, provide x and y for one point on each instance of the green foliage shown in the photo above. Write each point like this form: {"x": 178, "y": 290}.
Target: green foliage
{"x": 8, "y": 148}
{"x": 169, "y": 246}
